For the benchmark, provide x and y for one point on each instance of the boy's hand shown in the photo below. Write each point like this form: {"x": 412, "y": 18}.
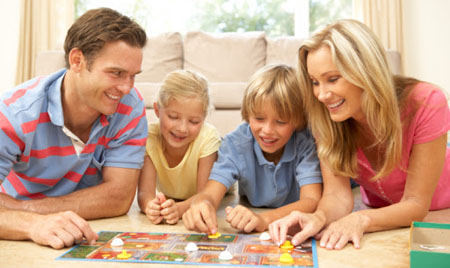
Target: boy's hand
{"x": 170, "y": 212}
{"x": 243, "y": 219}
{"x": 153, "y": 209}
{"x": 201, "y": 217}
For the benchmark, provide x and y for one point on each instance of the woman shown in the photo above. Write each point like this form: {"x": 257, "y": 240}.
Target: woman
{"x": 387, "y": 132}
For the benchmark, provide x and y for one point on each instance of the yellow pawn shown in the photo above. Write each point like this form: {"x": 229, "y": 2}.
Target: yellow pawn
{"x": 286, "y": 258}
{"x": 214, "y": 236}
{"x": 123, "y": 255}
{"x": 287, "y": 245}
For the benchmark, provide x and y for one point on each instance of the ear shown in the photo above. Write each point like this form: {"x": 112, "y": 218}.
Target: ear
{"x": 76, "y": 59}
{"x": 156, "y": 109}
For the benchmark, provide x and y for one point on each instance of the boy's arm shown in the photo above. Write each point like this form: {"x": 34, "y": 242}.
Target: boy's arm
{"x": 201, "y": 215}
{"x": 147, "y": 183}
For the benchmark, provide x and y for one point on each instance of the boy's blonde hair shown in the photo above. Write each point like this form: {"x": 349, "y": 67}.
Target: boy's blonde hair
{"x": 361, "y": 60}
{"x": 279, "y": 85}
{"x": 181, "y": 84}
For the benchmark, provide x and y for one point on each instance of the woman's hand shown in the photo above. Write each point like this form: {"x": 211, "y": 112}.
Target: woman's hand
{"x": 340, "y": 232}
{"x": 300, "y": 225}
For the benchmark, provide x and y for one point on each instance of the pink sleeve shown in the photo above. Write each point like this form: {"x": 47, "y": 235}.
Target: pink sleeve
{"x": 432, "y": 119}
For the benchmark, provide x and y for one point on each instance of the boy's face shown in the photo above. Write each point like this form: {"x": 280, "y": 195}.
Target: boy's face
{"x": 270, "y": 131}
{"x": 110, "y": 77}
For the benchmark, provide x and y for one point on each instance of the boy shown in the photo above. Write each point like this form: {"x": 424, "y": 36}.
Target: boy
{"x": 272, "y": 156}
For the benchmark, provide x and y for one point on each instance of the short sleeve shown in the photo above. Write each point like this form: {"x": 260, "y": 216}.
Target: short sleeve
{"x": 308, "y": 166}
{"x": 432, "y": 118}
{"x": 225, "y": 169}
{"x": 210, "y": 141}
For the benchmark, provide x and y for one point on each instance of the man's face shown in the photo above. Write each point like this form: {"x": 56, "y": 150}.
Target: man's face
{"x": 110, "y": 77}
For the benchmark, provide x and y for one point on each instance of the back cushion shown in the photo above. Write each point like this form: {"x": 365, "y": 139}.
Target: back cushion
{"x": 225, "y": 57}
{"x": 283, "y": 50}
{"x": 162, "y": 55}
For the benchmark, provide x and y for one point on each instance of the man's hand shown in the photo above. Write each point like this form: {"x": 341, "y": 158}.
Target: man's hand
{"x": 63, "y": 229}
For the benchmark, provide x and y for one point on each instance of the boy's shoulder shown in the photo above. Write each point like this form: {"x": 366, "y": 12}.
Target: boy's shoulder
{"x": 241, "y": 137}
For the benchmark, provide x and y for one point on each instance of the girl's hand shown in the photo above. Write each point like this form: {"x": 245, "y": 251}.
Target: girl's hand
{"x": 153, "y": 209}
{"x": 242, "y": 219}
{"x": 300, "y": 225}
{"x": 170, "y": 212}
{"x": 340, "y": 232}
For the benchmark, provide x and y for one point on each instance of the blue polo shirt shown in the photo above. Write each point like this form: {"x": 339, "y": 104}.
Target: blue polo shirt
{"x": 37, "y": 159}
{"x": 262, "y": 182}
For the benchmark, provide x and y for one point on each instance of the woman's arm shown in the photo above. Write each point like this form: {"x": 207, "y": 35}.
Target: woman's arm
{"x": 425, "y": 167}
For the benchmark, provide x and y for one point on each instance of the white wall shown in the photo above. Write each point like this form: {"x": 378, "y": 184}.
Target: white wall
{"x": 9, "y": 45}
{"x": 426, "y": 33}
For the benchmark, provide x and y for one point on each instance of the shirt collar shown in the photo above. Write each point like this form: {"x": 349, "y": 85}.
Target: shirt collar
{"x": 288, "y": 153}
{"x": 55, "y": 111}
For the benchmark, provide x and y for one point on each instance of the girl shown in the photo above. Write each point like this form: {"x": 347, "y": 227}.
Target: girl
{"x": 388, "y": 132}
{"x": 181, "y": 148}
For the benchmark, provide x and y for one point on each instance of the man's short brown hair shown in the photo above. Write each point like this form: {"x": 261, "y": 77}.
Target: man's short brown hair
{"x": 96, "y": 27}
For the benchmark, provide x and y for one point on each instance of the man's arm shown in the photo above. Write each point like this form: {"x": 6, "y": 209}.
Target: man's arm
{"x": 58, "y": 230}
{"x": 113, "y": 197}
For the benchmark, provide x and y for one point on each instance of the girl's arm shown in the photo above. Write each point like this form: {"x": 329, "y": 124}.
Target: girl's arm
{"x": 147, "y": 183}
{"x": 204, "y": 169}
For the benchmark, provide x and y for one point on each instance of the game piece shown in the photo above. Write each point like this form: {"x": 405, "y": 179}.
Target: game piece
{"x": 117, "y": 242}
{"x": 191, "y": 246}
{"x": 225, "y": 256}
{"x": 286, "y": 258}
{"x": 124, "y": 255}
{"x": 287, "y": 245}
{"x": 214, "y": 236}
{"x": 264, "y": 236}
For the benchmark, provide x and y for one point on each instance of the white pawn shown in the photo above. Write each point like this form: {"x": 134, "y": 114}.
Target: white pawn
{"x": 225, "y": 255}
{"x": 191, "y": 246}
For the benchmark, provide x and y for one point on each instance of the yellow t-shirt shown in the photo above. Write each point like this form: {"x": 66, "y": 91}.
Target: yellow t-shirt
{"x": 180, "y": 182}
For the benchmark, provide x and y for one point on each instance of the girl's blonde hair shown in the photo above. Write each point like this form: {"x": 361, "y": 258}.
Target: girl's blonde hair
{"x": 279, "y": 85}
{"x": 182, "y": 84}
{"x": 360, "y": 58}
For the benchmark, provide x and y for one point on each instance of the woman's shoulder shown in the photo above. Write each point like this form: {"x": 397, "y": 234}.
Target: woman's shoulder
{"x": 424, "y": 91}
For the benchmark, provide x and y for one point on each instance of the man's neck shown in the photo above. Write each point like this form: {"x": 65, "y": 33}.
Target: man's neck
{"x": 77, "y": 117}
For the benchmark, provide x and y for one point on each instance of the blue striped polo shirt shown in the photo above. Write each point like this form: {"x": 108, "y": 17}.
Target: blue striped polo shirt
{"x": 37, "y": 159}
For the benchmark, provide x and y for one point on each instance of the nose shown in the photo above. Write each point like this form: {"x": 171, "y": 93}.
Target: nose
{"x": 183, "y": 126}
{"x": 267, "y": 128}
{"x": 126, "y": 85}
{"x": 322, "y": 93}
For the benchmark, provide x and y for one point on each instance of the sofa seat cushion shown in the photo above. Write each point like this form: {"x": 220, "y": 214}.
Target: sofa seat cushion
{"x": 225, "y": 57}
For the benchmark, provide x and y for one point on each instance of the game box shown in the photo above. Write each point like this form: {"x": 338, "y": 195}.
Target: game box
{"x": 429, "y": 245}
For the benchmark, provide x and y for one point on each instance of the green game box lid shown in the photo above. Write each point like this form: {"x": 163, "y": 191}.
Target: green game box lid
{"x": 429, "y": 245}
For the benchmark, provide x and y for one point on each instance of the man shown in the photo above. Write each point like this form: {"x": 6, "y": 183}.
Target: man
{"x": 72, "y": 144}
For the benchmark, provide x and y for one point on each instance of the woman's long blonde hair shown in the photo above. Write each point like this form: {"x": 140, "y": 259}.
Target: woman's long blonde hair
{"x": 361, "y": 59}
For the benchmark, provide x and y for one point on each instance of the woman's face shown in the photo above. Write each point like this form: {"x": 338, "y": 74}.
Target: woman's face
{"x": 342, "y": 99}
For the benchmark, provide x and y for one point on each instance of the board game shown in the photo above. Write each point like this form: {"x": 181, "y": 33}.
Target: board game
{"x": 246, "y": 250}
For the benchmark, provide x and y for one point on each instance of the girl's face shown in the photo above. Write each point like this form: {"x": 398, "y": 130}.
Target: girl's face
{"x": 270, "y": 131}
{"x": 342, "y": 98}
{"x": 180, "y": 122}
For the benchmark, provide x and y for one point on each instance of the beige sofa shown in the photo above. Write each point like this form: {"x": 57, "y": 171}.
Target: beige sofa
{"x": 227, "y": 60}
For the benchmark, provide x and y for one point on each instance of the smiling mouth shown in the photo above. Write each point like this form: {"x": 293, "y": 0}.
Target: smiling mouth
{"x": 268, "y": 141}
{"x": 111, "y": 96}
{"x": 337, "y": 104}
{"x": 177, "y": 137}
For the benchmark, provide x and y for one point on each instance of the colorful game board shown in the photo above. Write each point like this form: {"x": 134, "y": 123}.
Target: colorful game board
{"x": 247, "y": 250}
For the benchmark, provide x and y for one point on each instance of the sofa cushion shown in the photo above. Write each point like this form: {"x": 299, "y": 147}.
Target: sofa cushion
{"x": 283, "y": 50}
{"x": 227, "y": 95}
{"x": 48, "y": 62}
{"x": 162, "y": 55}
{"x": 225, "y": 57}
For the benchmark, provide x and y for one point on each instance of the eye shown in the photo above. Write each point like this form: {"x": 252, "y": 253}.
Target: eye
{"x": 279, "y": 122}
{"x": 259, "y": 118}
{"x": 314, "y": 82}
{"x": 117, "y": 73}
{"x": 194, "y": 122}
{"x": 173, "y": 117}
{"x": 333, "y": 79}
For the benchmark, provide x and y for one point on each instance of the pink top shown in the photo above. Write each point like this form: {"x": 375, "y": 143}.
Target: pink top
{"x": 430, "y": 121}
